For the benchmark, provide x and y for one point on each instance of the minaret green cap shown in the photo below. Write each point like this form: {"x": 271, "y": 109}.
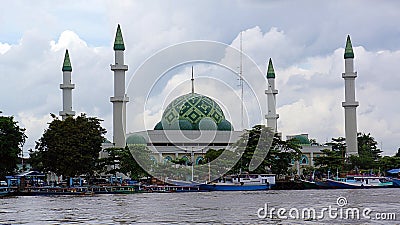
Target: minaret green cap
{"x": 119, "y": 41}
{"x": 270, "y": 71}
{"x": 348, "y": 52}
{"x": 67, "y": 63}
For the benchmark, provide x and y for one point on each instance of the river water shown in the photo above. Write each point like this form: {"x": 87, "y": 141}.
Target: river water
{"x": 208, "y": 208}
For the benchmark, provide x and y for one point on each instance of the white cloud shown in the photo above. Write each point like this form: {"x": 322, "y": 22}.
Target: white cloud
{"x": 68, "y": 39}
{"x": 4, "y": 47}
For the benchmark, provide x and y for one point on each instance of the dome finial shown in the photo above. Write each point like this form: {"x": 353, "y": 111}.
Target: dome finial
{"x": 192, "y": 82}
{"x": 348, "y": 52}
{"x": 270, "y": 71}
{"x": 67, "y": 63}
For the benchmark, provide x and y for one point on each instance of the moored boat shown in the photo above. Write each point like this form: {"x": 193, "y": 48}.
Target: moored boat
{"x": 307, "y": 184}
{"x": 396, "y": 182}
{"x": 315, "y": 184}
{"x": 243, "y": 182}
{"x": 45, "y": 191}
{"x": 5, "y": 191}
{"x": 359, "y": 181}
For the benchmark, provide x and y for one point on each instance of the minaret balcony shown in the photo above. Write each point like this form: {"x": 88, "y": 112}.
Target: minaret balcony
{"x": 67, "y": 113}
{"x": 349, "y": 75}
{"x": 269, "y": 91}
{"x": 119, "y": 99}
{"x": 350, "y": 104}
{"x": 272, "y": 116}
{"x": 67, "y": 86}
{"x": 119, "y": 67}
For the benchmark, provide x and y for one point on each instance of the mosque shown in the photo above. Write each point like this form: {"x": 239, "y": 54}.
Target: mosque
{"x": 193, "y": 123}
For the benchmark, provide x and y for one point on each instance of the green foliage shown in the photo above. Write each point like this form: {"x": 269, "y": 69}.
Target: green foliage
{"x": 330, "y": 160}
{"x": 70, "y": 147}
{"x": 368, "y": 155}
{"x": 398, "y": 153}
{"x": 121, "y": 161}
{"x": 212, "y": 154}
{"x": 140, "y": 161}
{"x": 12, "y": 138}
{"x": 182, "y": 161}
{"x": 367, "y": 147}
{"x": 279, "y": 156}
{"x": 387, "y": 163}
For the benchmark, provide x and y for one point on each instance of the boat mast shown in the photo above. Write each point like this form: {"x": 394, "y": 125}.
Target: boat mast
{"x": 241, "y": 80}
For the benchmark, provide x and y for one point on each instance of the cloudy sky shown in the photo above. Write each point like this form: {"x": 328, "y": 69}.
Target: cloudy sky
{"x": 305, "y": 39}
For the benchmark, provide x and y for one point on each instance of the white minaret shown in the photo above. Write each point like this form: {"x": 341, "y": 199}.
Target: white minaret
{"x": 120, "y": 98}
{"x": 350, "y": 104}
{"x": 66, "y": 88}
{"x": 271, "y": 93}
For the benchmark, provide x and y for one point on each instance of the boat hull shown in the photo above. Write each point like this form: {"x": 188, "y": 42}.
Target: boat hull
{"x": 345, "y": 185}
{"x": 315, "y": 184}
{"x": 396, "y": 182}
{"x": 233, "y": 187}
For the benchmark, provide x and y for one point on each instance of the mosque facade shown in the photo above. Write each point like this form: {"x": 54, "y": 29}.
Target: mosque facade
{"x": 193, "y": 123}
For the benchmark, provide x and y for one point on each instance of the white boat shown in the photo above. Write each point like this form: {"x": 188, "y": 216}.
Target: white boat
{"x": 242, "y": 182}
{"x": 182, "y": 183}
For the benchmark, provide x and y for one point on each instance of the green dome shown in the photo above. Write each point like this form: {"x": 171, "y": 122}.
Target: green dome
{"x": 158, "y": 126}
{"x": 207, "y": 124}
{"x": 187, "y": 111}
{"x": 301, "y": 139}
{"x": 136, "y": 139}
{"x": 225, "y": 125}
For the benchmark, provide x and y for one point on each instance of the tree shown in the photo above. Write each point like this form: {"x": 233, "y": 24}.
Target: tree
{"x": 334, "y": 158}
{"x": 368, "y": 153}
{"x": 398, "y": 153}
{"x": 387, "y": 163}
{"x": 330, "y": 160}
{"x": 212, "y": 154}
{"x": 367, "y": 146}
{"x": 121, "y": 160}
{"x": 70, "y": 147}
{"x": 12, "y": 138}
{"x": 279, "y": 156}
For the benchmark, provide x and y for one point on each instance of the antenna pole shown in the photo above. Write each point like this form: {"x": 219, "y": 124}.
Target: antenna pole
{"x": 192, "y": 82}
{"x": 241, "y": 80}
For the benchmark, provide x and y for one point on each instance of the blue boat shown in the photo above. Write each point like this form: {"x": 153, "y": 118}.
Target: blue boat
{"x": 5, "y": 191}
{"x": 243, "y": 182}
{"x": 396, "y": 182}
{"x": 359, "y": 182}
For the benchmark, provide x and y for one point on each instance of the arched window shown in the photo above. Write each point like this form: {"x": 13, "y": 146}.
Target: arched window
{"x": 199, "y": 160}
{"x": 167, "y": 159}
{"x": 304, "y": 160}
{"x": 153, "y": 159}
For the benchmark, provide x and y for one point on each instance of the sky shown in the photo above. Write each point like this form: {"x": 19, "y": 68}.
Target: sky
{"x": 305, "y": 40}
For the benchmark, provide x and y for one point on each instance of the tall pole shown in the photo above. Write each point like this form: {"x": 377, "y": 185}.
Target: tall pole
{"x": 66, "y": 88}
{"x": 120, "y": 98}
{"x": 350, "y": 104}
{"x": 192, "y": 82}
{"x": 241, "y": 81}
